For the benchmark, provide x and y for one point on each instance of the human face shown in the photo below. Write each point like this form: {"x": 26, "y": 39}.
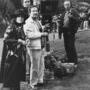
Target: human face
{"x": 19, "y": 19}
{"x": 67, "y": 5}
{"x": 26, "y": 3}
{"x": 34, "y": 12}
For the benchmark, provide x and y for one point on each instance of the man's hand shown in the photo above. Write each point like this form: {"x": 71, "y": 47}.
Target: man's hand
{"x": 70, "y": 15}
{"x": 21, "y": 42}
{"x": 44, "y": 34}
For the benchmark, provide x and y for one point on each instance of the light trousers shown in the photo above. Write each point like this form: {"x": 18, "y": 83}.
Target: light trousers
{"x": 37, "y": 66}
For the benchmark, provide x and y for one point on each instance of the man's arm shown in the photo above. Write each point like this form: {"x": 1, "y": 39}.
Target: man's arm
{"x": 61, "y": 19}
{"x": 74, "y": 15}
{"x": 29, "y": 32}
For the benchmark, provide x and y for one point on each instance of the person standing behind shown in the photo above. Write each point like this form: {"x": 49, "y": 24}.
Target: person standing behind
{"x": 26, "y": 5}
{"x": 36, "y": 53}
{"x": 68, "y": 26}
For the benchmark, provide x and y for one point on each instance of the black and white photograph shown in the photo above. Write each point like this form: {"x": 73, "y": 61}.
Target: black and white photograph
{"x": 44, "y": 44}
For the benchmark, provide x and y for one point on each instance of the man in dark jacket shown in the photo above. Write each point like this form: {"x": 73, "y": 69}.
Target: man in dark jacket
{"x": 68, "y": 26}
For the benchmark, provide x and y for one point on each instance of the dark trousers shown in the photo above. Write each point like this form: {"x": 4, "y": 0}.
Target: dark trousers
{"x": 11, "y": 88}
{"x": 69, "y": 44}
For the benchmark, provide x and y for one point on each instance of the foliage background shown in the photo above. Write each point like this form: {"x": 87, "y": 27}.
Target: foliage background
{"x": 7, "y": 7}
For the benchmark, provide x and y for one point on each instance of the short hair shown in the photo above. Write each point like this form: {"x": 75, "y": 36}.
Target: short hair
{"x": 29, "y": 9}
{"x": 24, "y": 1}
{"x": 68, "y": 1}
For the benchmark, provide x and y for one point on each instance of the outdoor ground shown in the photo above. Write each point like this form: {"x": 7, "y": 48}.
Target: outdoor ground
{"x": 81, "y": 80}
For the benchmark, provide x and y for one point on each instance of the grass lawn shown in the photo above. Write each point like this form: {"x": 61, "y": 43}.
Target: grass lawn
{"x": 82, "y": 45}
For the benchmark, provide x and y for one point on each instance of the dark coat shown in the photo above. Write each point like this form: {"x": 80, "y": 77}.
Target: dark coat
{"x": 13, "y": 57}
{"x": 73, "y": 22}
{"x": 25, "y": 11}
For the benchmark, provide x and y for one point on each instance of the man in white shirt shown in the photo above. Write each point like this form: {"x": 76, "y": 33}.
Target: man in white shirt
{"x": 33, "y": 34}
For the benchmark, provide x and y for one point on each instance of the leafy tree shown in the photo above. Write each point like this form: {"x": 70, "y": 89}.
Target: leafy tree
{"x": 3, "y": 16}
{"x": 17, "y": 3}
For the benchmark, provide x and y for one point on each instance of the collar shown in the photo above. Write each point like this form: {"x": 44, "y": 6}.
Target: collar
{"x": 30, "y": 20}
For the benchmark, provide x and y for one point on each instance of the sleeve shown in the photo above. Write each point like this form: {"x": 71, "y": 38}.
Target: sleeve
{"x": 60, "y": 30}
{"x": 7, "y": 33}
{"x": 75, "y": 15}
{"x": 29, "y": 32}
{"x": 75, "y": 20}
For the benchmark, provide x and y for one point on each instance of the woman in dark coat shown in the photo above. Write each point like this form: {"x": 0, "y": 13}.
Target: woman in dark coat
{"x": 14, "y": 54}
